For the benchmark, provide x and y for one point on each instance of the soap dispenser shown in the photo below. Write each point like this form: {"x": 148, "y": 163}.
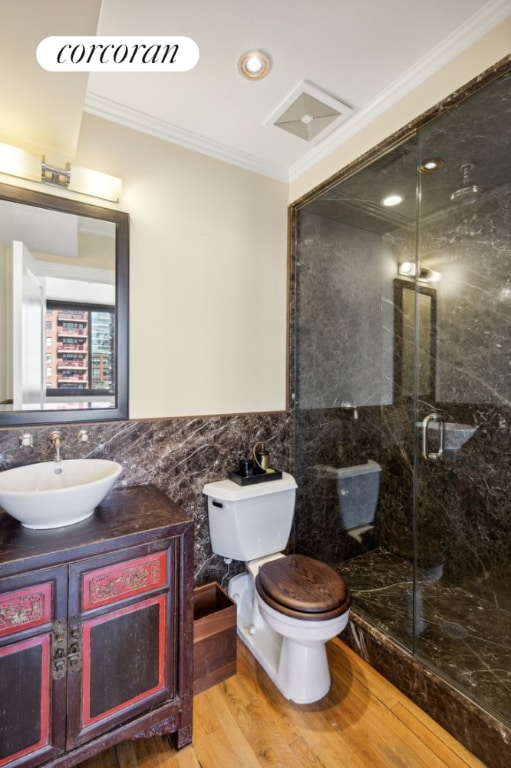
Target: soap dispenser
{"x": 261, "y": 457}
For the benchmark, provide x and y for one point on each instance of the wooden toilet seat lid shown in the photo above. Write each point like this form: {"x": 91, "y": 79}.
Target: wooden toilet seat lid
{"x": 303, "y": 587}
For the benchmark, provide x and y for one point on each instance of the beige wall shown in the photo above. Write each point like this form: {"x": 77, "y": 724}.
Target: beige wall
{"x": 208, "y": 276}
{"x": 487, "y": 51}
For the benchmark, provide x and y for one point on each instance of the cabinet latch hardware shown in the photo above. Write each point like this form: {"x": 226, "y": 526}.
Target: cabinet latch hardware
{"x": 74, "y": 655}
{"x": 59, "y": 649}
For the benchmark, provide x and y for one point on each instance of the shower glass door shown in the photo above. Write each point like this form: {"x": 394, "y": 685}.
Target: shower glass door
{"x": 402, "y": 356}
{"x": 463, "y": 581}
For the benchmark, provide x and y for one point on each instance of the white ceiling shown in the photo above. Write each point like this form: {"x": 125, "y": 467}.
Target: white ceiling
{"x": 365, "y": 53}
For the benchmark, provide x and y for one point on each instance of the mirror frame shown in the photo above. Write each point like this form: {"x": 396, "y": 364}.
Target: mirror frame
{"x": 401, "y": 358}
{"x": 121, "y": 221}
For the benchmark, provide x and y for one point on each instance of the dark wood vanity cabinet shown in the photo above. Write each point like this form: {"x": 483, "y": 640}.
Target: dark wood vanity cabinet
{"x": 96, "y": 631}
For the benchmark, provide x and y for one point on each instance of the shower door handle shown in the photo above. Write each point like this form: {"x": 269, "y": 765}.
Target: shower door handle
{"x": 432, "y": 455}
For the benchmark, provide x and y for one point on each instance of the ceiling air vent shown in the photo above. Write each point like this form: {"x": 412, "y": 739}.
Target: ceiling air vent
{"x": 307, "y": 112}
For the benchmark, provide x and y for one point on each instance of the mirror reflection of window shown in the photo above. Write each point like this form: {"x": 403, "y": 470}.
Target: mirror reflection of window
{"x": 75, "y": 255}
{"x": 80, "y": 349}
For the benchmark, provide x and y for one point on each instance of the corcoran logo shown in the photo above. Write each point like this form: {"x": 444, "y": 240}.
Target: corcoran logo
{"x": 117, "y": 54}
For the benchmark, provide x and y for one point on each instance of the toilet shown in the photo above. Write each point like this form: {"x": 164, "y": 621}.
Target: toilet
{"x": 288, "y": 606}
{"x": 358, "y": 489}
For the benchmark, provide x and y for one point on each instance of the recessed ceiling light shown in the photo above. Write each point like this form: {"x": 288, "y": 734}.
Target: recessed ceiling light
{"x": 392, "y": 200}
{"x": 254, "y": 64}
{"x": 431, "y": 165}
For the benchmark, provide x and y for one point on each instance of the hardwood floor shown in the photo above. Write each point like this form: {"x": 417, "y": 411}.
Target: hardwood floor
{"x": 244, "y": 722}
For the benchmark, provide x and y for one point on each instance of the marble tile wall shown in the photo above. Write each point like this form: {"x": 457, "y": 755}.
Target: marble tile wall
{"x": 431, "y": 579}
{"x": 176, "y": 455}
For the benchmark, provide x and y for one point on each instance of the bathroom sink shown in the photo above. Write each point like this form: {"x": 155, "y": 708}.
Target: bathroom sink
{"x": 457, "y": 434}
{"x": 55, "y": 494}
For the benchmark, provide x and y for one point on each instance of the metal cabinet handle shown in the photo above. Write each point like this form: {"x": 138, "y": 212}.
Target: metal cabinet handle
{"x": 432, "y": 455}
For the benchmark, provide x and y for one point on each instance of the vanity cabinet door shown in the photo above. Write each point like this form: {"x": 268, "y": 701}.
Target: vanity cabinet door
{"x": 32, "y": 667}
{"x": 121, "y": 609}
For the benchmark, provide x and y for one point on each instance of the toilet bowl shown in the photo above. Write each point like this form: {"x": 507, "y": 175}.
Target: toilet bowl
{"x": 306, "y": 613}
{"x": 290, "y": 648}
{"x": 288, "y": 606}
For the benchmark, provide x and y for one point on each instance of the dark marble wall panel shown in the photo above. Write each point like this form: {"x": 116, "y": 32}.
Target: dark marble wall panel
{"x": 177, "y": 455}
{"x": 343, "y": 353}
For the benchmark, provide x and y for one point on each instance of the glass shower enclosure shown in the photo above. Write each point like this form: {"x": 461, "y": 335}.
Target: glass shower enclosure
{"x": 402, "y": 356}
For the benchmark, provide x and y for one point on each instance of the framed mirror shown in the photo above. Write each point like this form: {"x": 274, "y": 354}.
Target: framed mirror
{"x": 406, "y": 294}
{"x": 64, "y": 271}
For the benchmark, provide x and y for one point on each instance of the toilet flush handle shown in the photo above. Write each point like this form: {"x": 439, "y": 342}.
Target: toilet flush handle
{"x": 432, "y": 455}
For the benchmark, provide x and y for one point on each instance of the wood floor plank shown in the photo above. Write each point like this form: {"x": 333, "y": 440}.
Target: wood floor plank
{"x": 251, "y": 685}
{"x": 437, "y": 740}
{"x": 313, "y": 743}
{"x": 244, "y": 722}
{"x": 270, "y": 733}
{"x": 106, "y": 759}
{"x": 345, "y": 661}
{"x": 126, "y": 754}
{"x": 374, "y": 723}
{"x": 229, "y": 740}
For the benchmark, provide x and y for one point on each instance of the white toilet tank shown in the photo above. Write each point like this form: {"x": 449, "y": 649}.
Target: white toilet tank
{"x": 247, "y": 522}
{"x": 358, "y": 489}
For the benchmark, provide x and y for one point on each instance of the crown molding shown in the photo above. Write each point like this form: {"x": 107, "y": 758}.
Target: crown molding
{"x": 160, "y": 129}
{"x": 451, "y": 47}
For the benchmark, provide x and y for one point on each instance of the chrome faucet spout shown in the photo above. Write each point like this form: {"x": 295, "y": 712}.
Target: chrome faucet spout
{"x": 55, "y": 438}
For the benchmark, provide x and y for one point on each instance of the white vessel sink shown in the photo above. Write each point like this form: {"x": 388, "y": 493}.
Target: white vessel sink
{"x": 55, "y": 494}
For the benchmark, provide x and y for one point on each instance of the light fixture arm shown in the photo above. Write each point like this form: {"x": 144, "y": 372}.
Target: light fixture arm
{"x": 59, "y": 177}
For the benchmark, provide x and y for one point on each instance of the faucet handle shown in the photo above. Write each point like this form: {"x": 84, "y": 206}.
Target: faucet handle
{"x": 26, "y": 440}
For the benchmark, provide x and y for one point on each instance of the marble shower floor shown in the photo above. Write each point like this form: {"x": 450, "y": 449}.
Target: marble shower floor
{"x": 464, "y": 632}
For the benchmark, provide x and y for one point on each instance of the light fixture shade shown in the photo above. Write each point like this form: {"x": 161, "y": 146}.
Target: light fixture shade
{"x": 16, "y": 162}
{"x": 95, "y": 183}
{"x": 407, "y": 268}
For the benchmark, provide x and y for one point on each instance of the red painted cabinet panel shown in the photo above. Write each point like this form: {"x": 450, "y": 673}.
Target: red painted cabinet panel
{"x": 31, "y": 695}
{"x": 96, "y": 632}
{"x": 123, "y": 607}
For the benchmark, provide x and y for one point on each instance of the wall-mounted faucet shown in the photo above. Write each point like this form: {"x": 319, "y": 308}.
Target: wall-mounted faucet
{"x": 55, "y": 438}
{"x": 347, "y": 406}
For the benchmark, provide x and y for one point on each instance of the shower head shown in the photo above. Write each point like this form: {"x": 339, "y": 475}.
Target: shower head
{"x": 468, "y": 192}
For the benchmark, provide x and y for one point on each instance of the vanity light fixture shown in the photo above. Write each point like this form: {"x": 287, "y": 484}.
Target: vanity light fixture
{"x": 429, "y": 275}
{"x": 407, "y": 268}
{"x": 16, "y": 162}
{"x": 425, "y": 275}
{"x": 391, "y": 200}
{"x": 254, "y": 64}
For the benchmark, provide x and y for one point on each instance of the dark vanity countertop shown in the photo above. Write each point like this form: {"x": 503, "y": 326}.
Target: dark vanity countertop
{"x": 142, "y": 510}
